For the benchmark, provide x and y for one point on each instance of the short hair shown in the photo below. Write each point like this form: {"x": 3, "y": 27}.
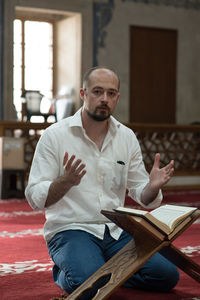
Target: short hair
{"x": 86, "y": 76}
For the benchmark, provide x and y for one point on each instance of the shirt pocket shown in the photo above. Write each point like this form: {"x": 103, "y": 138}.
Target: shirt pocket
{"x": 118, "y": 173}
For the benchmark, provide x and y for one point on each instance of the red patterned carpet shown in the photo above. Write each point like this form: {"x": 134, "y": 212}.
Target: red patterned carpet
{"x": 25, "y": 267}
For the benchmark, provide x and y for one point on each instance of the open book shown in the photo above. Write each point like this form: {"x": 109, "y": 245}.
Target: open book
{"x": 166, "y": 217}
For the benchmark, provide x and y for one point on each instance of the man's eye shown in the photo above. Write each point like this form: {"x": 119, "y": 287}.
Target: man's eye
{"x": 112, "y": 94}
{"x": 97, "y": 92}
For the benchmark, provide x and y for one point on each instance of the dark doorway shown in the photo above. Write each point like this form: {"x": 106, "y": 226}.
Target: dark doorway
{"x": 153, "y": 54}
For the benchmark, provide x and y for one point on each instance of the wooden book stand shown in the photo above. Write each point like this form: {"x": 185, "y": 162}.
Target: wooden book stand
{"x": 130, "y": 258}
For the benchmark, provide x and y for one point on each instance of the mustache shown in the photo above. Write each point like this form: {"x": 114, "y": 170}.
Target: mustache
{"x": 103, "y": 106}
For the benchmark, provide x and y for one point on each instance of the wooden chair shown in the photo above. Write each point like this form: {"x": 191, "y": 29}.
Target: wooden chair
{"x": 130, "y": 258}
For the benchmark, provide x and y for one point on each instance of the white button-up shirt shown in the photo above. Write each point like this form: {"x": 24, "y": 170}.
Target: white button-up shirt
{"x": 103, "y": 186}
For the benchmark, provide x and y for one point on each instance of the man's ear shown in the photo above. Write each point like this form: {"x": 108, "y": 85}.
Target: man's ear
{"x": 118, "y": 96}
{"x": 82, "y": 93}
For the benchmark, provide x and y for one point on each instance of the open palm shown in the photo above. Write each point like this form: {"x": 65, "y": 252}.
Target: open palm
{"x": 160, "y": 176}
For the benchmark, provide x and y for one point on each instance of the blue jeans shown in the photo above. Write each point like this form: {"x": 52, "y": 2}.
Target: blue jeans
{"x": 78, "y": 254}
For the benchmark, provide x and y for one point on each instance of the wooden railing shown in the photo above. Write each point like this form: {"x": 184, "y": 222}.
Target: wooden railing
{"x": 178, "y": 142}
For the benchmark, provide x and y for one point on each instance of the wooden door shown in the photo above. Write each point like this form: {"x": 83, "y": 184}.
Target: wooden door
{"x": 153, "y": 54}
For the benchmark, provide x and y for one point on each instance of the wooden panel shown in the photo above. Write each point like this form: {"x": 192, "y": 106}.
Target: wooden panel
{"x": 152, "y": 75}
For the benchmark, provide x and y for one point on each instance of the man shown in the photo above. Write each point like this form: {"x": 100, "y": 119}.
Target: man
{"x": 83, "y": 164}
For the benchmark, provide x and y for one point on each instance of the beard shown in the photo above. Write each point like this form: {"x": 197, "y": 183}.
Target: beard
{"x": 100, "y": 115}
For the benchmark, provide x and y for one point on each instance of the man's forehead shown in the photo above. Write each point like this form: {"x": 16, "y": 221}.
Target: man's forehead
{"x": 102, "y": 77}
{"x": 103, "y": 88}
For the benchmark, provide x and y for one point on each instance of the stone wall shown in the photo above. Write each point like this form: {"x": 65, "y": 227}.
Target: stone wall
{"x": 113, "y": 51}
{"x": 105, "y": 41}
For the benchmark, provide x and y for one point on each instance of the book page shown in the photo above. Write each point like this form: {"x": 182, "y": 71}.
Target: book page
{"x": 171, "y": 213}
{"x": 131, "y": 210}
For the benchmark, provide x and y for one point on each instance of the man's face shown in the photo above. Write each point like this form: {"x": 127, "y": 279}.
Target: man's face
{"x": 101, "y": 95}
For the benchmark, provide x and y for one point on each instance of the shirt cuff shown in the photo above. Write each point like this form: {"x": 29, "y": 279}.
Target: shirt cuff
{"x": 136, "y": 195}
{"x": 153, "y": 204}
{"x": 37, "y": 196}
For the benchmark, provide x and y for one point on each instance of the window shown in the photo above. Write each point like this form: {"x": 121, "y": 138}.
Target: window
{"x": 33, "y": 60}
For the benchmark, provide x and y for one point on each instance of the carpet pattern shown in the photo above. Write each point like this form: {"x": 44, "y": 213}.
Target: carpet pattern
{"x": 25, "y": 266}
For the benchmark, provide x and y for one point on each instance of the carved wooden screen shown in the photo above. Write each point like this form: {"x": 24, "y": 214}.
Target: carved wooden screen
{"x": 178, "y": 142}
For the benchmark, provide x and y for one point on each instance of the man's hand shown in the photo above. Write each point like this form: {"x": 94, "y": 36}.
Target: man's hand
{"x": 159, "y": 177}
{"x": 74, "y": 171}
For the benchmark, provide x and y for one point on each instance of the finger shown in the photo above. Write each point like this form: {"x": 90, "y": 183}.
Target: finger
{"x": 82, "y": 174}
{"x": 172, "y": 163}
{"x": 65, "y": 158}
{"x": 169, "y": 166}
{"x": 76, "y": 164}
{"x": 80, "y": 168}
{"x": 156, "y": 161}
{"x": 69, "y": 163}
{"x": 171, "y": 171}
{"x": 79, "y": 177}
{"x": 168, "y": 177}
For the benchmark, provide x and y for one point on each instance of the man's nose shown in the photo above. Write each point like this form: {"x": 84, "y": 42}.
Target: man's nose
{"x": 104, "y": 97}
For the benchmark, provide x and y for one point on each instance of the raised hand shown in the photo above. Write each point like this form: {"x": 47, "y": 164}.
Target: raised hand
{"x": 160, "y": 176}
{"x": 157, "y": 178}
{"x": 74, "y": 169}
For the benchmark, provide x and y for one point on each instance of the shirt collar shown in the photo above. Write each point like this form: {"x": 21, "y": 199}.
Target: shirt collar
{"x": 114, "y": 125}
{"x": 76, "y": 120}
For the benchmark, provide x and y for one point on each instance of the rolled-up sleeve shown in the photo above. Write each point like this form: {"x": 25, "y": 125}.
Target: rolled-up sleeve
{"x": 44, "y": 169}
{"x": 138, "y": 177}
{"x": 37, "y": 194}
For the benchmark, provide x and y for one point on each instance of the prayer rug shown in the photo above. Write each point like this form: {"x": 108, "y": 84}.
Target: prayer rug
{"x": 25, "y": 266}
